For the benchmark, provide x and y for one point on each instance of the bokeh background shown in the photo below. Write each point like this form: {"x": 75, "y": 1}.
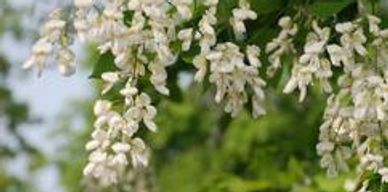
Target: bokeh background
{"x": 45, "y": 123}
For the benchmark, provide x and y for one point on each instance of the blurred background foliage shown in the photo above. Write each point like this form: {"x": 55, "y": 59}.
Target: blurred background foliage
{"x": 198, "y": 148}
{"x": 12, "y": 113}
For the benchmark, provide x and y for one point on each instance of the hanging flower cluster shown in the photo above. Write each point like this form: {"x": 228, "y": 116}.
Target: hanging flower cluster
{"x": 231, "y": 75}
{"x": 239, "y": 16}
{"x": 113, "y": 140}
{"x": 282, "y": 45}
{"x": 355, "y": 120}
{"x": 356, "y": 116}
{"x": 311, "y": 63}
{"x": 53, "y": 39}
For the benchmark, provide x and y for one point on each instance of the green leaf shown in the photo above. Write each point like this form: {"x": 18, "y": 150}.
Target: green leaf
{"x": 104, "y": 64}
{"x": 327, "y": 8}
{"x": 114, "y": 93}
{"x": 188, "y": 56}
{"x": 262, "y": 7}
{"x": 128, "y": 15}
{"x": 224, "y": 10}
{"x": 176, "y": 46}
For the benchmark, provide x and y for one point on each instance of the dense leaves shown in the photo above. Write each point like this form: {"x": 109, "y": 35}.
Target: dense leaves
{"x": 328, "y": 8}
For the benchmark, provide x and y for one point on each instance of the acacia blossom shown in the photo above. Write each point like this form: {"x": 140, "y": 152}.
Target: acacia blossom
{"x": 239, "y": 16}
{"x": 355, "y": 117}
{"x": 282, "y": 45}
{"x": 311, "y": 63}
{"x": 231, "y": 75}
{"x": 52, "y": 39}
{"x": 357, "y": 114}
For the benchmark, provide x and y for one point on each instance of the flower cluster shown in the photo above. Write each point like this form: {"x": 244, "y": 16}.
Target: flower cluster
{"x": 231, "y": 75}
{"x": 228, "y": 70}
{"x": 183, "y": 8}
{"x": 356, "y": 116}
{"x": 311, "y": 63}
{"x": 84, "y": 18}
{"x": 113, "y": 140}
{"x": 141, "y": 35}
{"x": 282, "y": 45}
{"x": 207, "y": 38}
{"x": 52, "y": 39}
{"x": 239, "y": 16}
{"x": 150, "y": 32}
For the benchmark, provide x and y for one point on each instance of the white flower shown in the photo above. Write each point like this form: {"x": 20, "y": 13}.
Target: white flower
{"x": 129, "y": 91}
{"x": 325, "y": 147}
{"x": 352, "y": 37}
{"x": 51, "y": 36}
{"x": 139, "y": 153}
{"x": 85, "y": 21}
{"x": 239, "y": 16}
{"x": 98, "y": 157}
{"x": 200, "y": 63}
{"x": 208, "y": 34}
{"x": 372, "y": 162}
{"x": 301, "y": 78}
{"x": 121, "y": 147}
{"x": 183, "y": 7}
{"x": 346, "y": 27}
{"x": 66, "y": 64}
{"x": 281, "y": 45}
{"x": 374, "y": 24}
{"x": 159, "y": 77}
{"x": 384, "y": 174}
{"x": 253, "y": 53}
{"x": 311, "y": 64}
{"x": 110, "y": 79}
{"x": 350, "y": 185}
{"x": 211, "y": 3}
{"x": 186, "y": 36}
{"x": 54, "y": 26}
{"x": 339, "y": 55}
{"x": 102, "y": 107}
{"x": 231, "y": 75}
{"x": 100, "y": 140}
{"x": 285, "y": 22}
{"x": 40, "y": 53}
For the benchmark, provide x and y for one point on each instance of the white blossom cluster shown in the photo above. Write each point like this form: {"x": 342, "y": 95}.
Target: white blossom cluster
{"x": 312, "y": 63}
{"x": 113, "y": 140}
{"x": 355, "y": 120}
{"x": 84, "y": 19}
{"x": 356, "y": 117}
{"x": 231, "y": 75}
{"x": 150, "y": 32}
{"x": 53, "y": 39}
{"x": 207, "y": 38}
{"x": 282, "y": 45}
{"x": 239, "y": 16}
{"x": 228, "y": 69}
{"x": 183, "y": 8}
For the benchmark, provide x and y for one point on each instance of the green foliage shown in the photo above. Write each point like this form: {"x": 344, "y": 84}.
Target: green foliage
{"x": 263, "y": 7}
{"x": 328, "y": 8}
{"x": 198, "y": 149}
{"x": 104, "y": 64}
